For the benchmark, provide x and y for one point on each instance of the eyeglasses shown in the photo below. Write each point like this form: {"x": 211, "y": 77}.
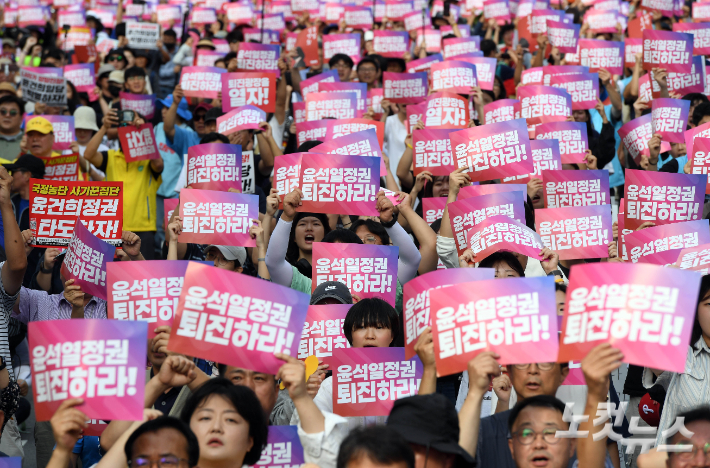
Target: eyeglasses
{"x": 686, "y": 451}
{"x": 369, "y": 240}
{"x": 163, "y": 462}
{"x": 528, "y": 436}
{"x": 198, "y": 117}
{"x": 211, "y": 257}
{"x": 367, "y": 70}
{"x": 136, "y": 78}
{"x": 341, "y": 65}
{"x": 11, "y": 112}
{"x": 543, "y": 366}
{"x": 115, "y": 57}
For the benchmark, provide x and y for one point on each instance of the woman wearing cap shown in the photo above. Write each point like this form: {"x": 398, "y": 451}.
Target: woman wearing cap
{"x": 85, "y": 127}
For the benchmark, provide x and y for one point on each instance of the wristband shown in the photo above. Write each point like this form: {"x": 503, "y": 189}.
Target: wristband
{"x": 391, "y": 223}
{"x": 261, "y": 260}
{"x": 41, "y": 268}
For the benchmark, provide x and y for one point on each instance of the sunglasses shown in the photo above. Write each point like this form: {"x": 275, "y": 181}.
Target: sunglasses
{"x": 199, "y": 117}
{"x": 11, "y": 112}
{"x": 115, "y": 57}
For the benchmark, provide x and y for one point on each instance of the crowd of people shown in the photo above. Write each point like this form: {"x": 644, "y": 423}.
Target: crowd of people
{"x": 209, "y": 414}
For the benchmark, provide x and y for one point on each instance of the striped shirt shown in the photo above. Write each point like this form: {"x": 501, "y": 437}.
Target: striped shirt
{"x": 36, "y": 306}
{"x": 8, "y": 302}
{"x": 686, "y": 390}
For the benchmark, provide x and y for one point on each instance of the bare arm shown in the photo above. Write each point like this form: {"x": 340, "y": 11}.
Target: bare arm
{"x": 171, "y": 115}
{"x": 480, "y": 370}
{"x": 424, "y": 234}
{"x": 13, "y": 270}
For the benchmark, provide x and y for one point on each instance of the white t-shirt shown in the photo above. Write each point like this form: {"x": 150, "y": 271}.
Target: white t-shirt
{"x": 395, "y": 133}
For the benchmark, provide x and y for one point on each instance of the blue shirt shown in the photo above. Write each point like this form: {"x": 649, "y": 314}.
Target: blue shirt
{"x": 24, "y": 204}
{"x": 681, "y": 162}
{"x": 173, "y": 156}
{"x": 87, "y": 447}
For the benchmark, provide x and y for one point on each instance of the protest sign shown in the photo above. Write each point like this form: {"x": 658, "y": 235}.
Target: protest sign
{"x": 661, "y": 245}
{"x": 578, "y": 232}
{"x": 503, "y": 233}
{"x": 405, "y": 88}
{"x": 85, "y": 53}
{"x": 138, "y": 143}
{"x": 238, "y": 319}
{"x": 273, "y": 21}
{"x": 430, "y": 40}
{"x": 358, "y": 89}
{"x": 396, "y": 10}
{"x": 546, "y": 157}
{"x": 145, "y": 291}
{"x": 665, "y": 7}
{"x": 47, "y": 89}
{"x": 501, "y": 110}
{"x": 267, "y": 36}
{"x": 433, "y": 208}
{"x": 310, "y": 85}
{"x": 283, "y": 448}
{"x": 635, "y": 136}
{"x": 287, "y": 173}
{"x": 513, "y": 317}
{"x": 348, "y": 44}
{"x": 308, "y": 131}
{"x": 76, "y": 17}
{"x": 466, "y": 213}
{"x": 662, "y": 198}
{"x": 416, "y": 295}
{"x": 391, "y": 377}
{"x": 539, "y": 104}
{"x": 248, "y": 172}
{"x": 214, "y": 166}
{"x": 100, "y": 361}
{"x": 670, "y": 118}
{"x": 532, "y": 76}
{"x": 242, "y": 89}
{"x": 575, "y": 188}
{"x": 391, "y": 43}
{"x": 583, "y": 87}
{"x": 55, "y": 206}
{"x": 701, "y": 11}
{"x": 460, "y": 45}
{"x": 670, "y": 50}
{"x": 299, "y": 112}
{"x": 432, "y": 152}
{"x": 550, "y": 71}
{"x": 571, "y": 136}
{"x": 642, "y": 21}
{"x": 423, "y": 64}
{"x": 62, "y": 127}
{"x": 498, "y": 10}
{"x": 143, "y": 104}
{"x": 637, "y": 308}
{"x": 339, "y": 128}
{"x": 258, "y": 57}
{"x": 85, "y": 261}
{"x": 78, "y": 36}
{"x": 241, "y": 118}
{"x": 202, "y": 82}
{"x": 358, "y": 17}
{"x": 338, "y": 105}
{"x": 142, "y": 35}
{"x": 493, "y": 151}
{"x": 485, "y": 70}
{"x": 107, "y": 17}
{"x": 446, "y": 110}
{"x": 563, "y": 36}
{"x": 695, "y": 259}
{"x": 682, "y": 83}
{"x": 700, "y": 32}
{"x": 81, "y": 76}
{"x": 453, "y": 76}
{"x": 323, "y": 332}
{"x": 601, "y": 21}
{"x": 307, "y": 40}
{"x": 167, "y": 13}
{"x": 367, "y": 270}
{"x": 337, "y": 183}
{"x": 631, "y": 48}
{"x": 598, "y": 54}
{"x": 699, "y": 156}
{"x": 415, "y": 113}
{"x": 218, "y": 218}
{"x": 62, "y": 167}
{"x": 32, "y": 15}
{"x": 206, "y": 58}
{"x": 475, "y": 190}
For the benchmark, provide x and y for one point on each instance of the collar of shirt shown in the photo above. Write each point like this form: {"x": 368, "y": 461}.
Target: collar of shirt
{"x": 703, "y": 347}
{"x": 12, "y": 137}
{"x": 93, "y": 299}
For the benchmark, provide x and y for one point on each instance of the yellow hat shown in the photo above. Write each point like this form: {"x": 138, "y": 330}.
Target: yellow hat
{"x": 39, "y": 124}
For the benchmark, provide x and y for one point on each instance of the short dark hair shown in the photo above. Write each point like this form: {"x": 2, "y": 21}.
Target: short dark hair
{"x": 170, "y": 33}
{"x": 537, "y": 401}
{"x": 488, "y": 46}
{"x": 381, "y": 444}
{"x": 341, "y": 235}
{"x": 700, "y": 413}
{"x": 12, "y": 99}
{"x": 371, "y": 60}
{"x": 371, "y": 312}
{"x": 244, "y": 401}
{"x": 507, "y": 257}
{"x": 700, "y": 111}
{"x": 306, "y": 146}
{"x": 133, "y": 71}
{"x": 400, "y": 63}
{"x": 166, "y": 422}
{"x": 54, "y": 53}
{"x": 693, "y": 97}
{"x": 214, "y": 137}
{"x": 338, "y": 57}
{"x": 374, "y": 227}
{"x": 235, "y": 35}
{"x": 99, "y": 24}
{"x": 561, "y": 287}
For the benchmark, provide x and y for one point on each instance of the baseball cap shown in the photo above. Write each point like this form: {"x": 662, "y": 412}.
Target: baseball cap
{"x": 39, "y": 124}
{"x": 85, "y": 119}
{"x": 332, "y": 290}
{"x": 183, "y": 109}
{"x": 116, "y": 76}
{"x": 28, "y": 163}
{"x": 105, "y": 68}
{"x": 9, "y": 41}
{"x": 230, "y": 252}
{"x": 213, "y": 114}
{"x": 203, "y": 105}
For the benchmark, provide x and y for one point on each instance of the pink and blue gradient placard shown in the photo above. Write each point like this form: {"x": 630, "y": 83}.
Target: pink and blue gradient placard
{"x": 359, "y": 89}
{"x": 575, "y": 188}
{"x": 503, "y": 233}
{"x": 546, "y": 157}
{"x": 367, "y": 270}
{"x": 312, "y": 84}
{"x": 363, "y": 143}
{"x": 583, "y": 87}
{"x": 453, "y": 76}
{"x": 636, "y": 134}
{"x": 86, "y": 259}
{"x": 236, "y": 319}
{"x": 143, "y": 104}
{"x": 258, "y": 57}
{"x": 391, "y": 43}
{"x": 700, "y": 32}
{"x": 372, "y": 393}
{"x": 598, "y": 54}
{"x": 202, "y": 82}
{"x": 433, "y": 208}
{"x": 145, "y": 291}
{"x": 416, "y": 299}
{"x": 214, "y": 166}
{"x": 283, "y": 447}
{"x": 563, "y": 36}
{"x": 486, "y": 189}
{"x": 646, "y": 311}
{"x": 501, "y": 110}
{"x": 323, "y": 332}
{"x": 432, "y": 152}
{"x": 670, "y": 50}
{"x": 423, "y": 64}
{"x": 572, "y": 137}
{"x": 695, "y": 259}
{"x": 101, "y": 361}
{"x": 485, "y": 69}
{"x": 219, "y": 218}
{"x": 670, "y": 118}
{"x": 334, "y": 183}
{"x": 331, "y": 105}
{"x": 312, "y": 130}
{"x": 549, "y": 71}
{"x": 661, "y": 245}
{"x": 699, "y": 156}
{"x": 405, "y": 88}
{"x": 514, "y": 317}
{"x": 578, "y": 232}
{"x": 540, "y": 104}
{"x": 241, "y": 118}
{"x": 81, "y": 75}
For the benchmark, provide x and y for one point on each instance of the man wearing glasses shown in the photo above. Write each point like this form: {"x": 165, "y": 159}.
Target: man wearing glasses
{"x": 368, "y": 71}
{"x": 117, "y": 58}
{"x": 11, "y": 110}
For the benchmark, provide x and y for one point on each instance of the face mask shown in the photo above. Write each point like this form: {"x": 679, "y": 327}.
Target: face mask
{"x": 170, "y": 47}
{"x": 114, "y": 90}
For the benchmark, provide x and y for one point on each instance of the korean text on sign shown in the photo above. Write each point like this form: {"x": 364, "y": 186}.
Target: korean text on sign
{"x": 214, "y": 166}
{"x": 661, "y": 245}
{"x": 238, "y": 320}
{"x": 576, "y": 232}
{"x": 571, "y": 136}
{"x": 501, "y": 232}
{"x": 201, "y": 81}
{"x": 695, "y": 258}
{"x": 572, "y": 188}
{"x": 55, "y": 206}
{"x": 283, "y": 448}
{"x": 221, "y": 218}
{"x": 323, "y": 331}
{"x": 85, "y": 261}
{"x": 446, "y": 110}
{"x": 432, "y": 152}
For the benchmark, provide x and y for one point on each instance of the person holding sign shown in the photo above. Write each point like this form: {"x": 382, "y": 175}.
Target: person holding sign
{"x": 141, "y": 180}
{"x": 40, "y": 138}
